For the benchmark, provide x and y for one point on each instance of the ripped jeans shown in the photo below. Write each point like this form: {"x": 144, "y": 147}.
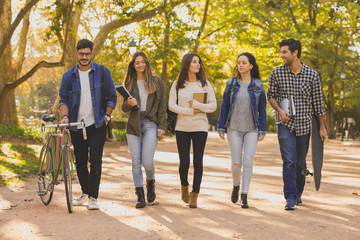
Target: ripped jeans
{"x": 237, "y": 140}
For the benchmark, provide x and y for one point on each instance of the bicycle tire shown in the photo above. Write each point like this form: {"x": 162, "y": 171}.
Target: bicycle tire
{"x": 67, "y": 178}
{"x": 46, "y": 175}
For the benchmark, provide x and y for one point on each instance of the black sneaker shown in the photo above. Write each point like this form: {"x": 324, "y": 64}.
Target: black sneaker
{"x": 299, "y": 202}
{"x": 290, "y": 205}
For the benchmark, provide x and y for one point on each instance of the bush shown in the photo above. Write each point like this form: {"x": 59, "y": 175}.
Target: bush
{"x": 119, "y": 123}
{"x": 270, "y": 123}
{"x": 20, "y": 132}
{"x": 120, "y": 135}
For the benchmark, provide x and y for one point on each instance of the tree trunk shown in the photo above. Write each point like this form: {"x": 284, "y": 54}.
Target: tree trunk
{"x": 197, "y": 42}
{"x": 70, "y": 48}
{"x": 330, "y": 123}
{"x": 8, "y": 114}
{"x": 164, "y": 74}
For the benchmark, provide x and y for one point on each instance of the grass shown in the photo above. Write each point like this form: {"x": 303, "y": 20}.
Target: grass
{"x": 17, "y": 162}
{"x": 21, "y": 132}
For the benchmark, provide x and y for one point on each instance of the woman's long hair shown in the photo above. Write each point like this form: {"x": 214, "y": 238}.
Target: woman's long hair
{"x": 151, "y": 84}
{"x": 185, "y": 65}
{"x": 254, "y": 71}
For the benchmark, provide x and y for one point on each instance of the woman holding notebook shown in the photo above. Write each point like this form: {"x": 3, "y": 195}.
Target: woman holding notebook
{"x": 243, "y": 118}
{"x": 192, "y": 122}
{"x": 145, "y": 124}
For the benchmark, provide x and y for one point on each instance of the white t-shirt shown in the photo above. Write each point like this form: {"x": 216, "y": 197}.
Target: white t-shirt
{"x": 143, "y": 94}
{"x": 86, "y": 111}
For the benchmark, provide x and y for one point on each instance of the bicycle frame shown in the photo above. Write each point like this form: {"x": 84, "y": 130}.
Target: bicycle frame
{"x": 49, "y": 170}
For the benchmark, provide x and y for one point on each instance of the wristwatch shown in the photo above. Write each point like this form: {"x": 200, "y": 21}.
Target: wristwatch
{"x": 107, "y": 118}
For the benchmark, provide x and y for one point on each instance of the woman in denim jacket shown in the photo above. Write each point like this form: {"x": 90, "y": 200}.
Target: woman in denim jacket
{"x": 243, "y": 118}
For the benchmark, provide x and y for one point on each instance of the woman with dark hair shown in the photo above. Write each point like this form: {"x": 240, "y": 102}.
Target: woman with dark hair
{"x": 192, "y": 122}
{"x": 145, "y": 124}
{"x": 243, "y": 118}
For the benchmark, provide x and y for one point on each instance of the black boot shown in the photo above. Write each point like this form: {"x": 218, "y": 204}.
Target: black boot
{"x": 235, "y": 194}
{"x": 244, "y": 203}
{"x": 141, "y": 197}
{"x": 150, "y": 185}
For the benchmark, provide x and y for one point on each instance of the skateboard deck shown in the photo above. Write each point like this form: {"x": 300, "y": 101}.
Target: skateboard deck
{"x": 317, "y": 147}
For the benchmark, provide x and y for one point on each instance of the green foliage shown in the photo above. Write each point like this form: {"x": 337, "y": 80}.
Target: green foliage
{"x": 20, "y": 132}
{"x": 119, "y": 123}
{"x": 17, "y": 162}
{"x": 120, "y": 135}
{"x": 270, "y": 123}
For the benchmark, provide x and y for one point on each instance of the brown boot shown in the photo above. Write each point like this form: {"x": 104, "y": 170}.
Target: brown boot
{"x": 193, "y": 200}
{"x": 185, "y": 193}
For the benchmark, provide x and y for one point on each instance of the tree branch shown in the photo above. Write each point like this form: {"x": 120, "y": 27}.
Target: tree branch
{"x": 227, "y": 25}
{"x": 293, "y": 17}
{"x": 14, "y": 25}
{"x": 13, "y": 85}
{"x": 22, "y": 43}
{"x": 135, "y": 17}
{"x": 197, "y": 42}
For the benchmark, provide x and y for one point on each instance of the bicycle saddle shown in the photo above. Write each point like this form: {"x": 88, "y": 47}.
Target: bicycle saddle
{"x": 49, "y": 118}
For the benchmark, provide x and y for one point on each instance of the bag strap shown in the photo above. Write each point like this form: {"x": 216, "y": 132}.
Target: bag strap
{"x": 103, "y": 95}
{"x": 103, "y": 98}
{"x": 232, "y": 82}
{"x": 177, "y": 97}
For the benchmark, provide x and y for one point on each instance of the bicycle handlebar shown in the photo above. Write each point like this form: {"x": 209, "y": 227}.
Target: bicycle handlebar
{"x": 82, "y": 124}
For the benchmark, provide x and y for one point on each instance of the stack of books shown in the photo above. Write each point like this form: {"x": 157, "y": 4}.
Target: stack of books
{"x": 288, "y": 106}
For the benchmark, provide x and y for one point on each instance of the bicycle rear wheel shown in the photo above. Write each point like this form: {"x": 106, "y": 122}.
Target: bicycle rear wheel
{"x": 46, "y": 175}
{"x": 67, "y": 174}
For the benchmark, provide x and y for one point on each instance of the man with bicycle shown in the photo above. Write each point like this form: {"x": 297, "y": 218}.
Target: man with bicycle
{"x": 80, "y": 98}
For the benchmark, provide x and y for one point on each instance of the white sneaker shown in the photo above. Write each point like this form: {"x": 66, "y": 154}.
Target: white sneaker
{"x": 93, "y": 204}
{"x": 81, "y": 200}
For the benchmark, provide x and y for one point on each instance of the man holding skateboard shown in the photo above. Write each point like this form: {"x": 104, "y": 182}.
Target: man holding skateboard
{"x": 297, "y": 85}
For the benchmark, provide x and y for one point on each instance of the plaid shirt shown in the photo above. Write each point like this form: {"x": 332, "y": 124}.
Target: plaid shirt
{"x": 306, "y": 91}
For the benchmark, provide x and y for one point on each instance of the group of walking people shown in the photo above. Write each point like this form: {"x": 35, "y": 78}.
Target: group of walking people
{"x": 242, "y": 118}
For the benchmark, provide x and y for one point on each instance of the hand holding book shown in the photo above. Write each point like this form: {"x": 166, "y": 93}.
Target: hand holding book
{"x": 125, "y": 94}
{"x": 201, "y": 97}
{"x": 287, "y": 106}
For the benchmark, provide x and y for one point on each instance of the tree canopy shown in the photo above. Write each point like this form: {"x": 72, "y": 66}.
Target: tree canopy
{"x": 165, "y": 30}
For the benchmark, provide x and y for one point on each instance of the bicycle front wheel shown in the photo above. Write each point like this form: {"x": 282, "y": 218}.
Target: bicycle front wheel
{"x": 67, "y": 174}
{"x": 46, "y": 175}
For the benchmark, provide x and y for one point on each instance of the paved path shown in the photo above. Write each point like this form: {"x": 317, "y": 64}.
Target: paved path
{"x": 331, "y": 213}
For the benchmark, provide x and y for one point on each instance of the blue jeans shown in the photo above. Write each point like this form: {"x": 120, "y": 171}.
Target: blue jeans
{"x": 237, "y": 140}
{"x": 142, "y": 150}
{"x": 293, "y": 153}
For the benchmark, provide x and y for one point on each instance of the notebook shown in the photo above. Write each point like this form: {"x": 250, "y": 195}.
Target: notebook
{"x": 288, "y": 105}
{"x": 201, "y": 97}
{"x": 124, "y": 93}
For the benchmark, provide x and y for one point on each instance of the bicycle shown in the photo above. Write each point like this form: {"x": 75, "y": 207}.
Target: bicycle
{"x": 48, "y": 169}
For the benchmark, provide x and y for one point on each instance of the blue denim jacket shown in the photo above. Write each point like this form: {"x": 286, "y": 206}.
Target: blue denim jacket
{"x": 258, "y": 104}
{"x": 70, "y": 93}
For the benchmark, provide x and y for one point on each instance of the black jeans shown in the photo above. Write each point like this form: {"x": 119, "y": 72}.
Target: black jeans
{"x": 93, "y": 145}
{"x": 183, "y": 140}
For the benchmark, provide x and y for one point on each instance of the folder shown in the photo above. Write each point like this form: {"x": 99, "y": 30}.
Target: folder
{"x": 201, "y": 97}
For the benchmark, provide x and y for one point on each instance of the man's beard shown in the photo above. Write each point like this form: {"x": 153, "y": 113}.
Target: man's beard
{"x": 288, "y": 62}
{"x": 85, "y": 65}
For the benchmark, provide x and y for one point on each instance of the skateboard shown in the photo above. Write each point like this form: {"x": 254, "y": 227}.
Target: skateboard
{"x": 317, "y": 147}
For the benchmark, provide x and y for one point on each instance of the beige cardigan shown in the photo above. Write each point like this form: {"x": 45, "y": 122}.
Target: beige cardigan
{"x": 187, "y": 121}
